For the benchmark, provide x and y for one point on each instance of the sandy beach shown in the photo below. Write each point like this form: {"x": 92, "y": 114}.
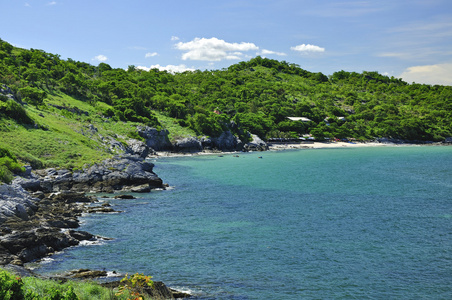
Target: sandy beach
{"x": 280, "y": 147}
{"x": 319, "y": 145}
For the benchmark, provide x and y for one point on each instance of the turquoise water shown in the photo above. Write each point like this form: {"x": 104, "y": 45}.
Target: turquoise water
{"x": 352, "y": 223}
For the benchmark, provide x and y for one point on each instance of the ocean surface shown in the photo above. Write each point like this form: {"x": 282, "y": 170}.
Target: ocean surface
{"x": 349, "y": 223}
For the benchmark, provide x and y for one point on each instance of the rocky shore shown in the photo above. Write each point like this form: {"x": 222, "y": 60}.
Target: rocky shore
{"x": 40, "y": 210}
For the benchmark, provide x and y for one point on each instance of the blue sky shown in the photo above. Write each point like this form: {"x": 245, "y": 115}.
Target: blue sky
{"x": 408, "y": 39}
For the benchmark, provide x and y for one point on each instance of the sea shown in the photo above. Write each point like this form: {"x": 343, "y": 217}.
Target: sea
{"x": 345, "y": 223}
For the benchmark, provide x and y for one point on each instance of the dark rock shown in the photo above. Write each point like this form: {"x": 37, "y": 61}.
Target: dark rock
{"x": 81, "y": 235}
{"x": 227, "y": 142}
{"x": 124, "y": 197}
{"x": 155, "y": 139}
{"x": 188, "y": 144}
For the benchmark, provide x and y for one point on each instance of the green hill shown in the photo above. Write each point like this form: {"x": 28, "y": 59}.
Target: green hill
{"x": 56, "y": 112}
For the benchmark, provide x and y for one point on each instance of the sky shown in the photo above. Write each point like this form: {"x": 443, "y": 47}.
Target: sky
{"x": 408, "y": 39}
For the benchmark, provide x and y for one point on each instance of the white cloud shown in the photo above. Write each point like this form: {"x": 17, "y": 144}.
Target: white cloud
{"x": 307, "y": 48}
{"x": 269, "y": 52}
{"x": 169, "y": 68}
{"x": 174, "y": 38}
{"x": 151, "y": 54}
{"x": 429, "y": 74}
{"x": 213, "y": 49}
{"x": 27, "y": 4}
{"x": 52, "y": 3}
{"x": 100, "y": 58}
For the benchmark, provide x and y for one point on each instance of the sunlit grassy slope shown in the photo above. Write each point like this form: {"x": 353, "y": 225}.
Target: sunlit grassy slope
{"x": 62, "y": 138}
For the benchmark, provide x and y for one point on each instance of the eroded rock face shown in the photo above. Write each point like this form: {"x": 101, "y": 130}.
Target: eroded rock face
{"x": 121, "y": 173}
{"x": 136, "y": 147}
{"x": 189, "y": 144}
{"x": 15, "y": 201}
{"x": 155, "y": 139}
{"x": 227, "y": 142}
{"x": 40, "y": 234}
{"x": 257, "y": 144}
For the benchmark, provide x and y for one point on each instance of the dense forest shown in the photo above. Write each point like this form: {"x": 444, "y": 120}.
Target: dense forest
{"x": 255, "y": 96}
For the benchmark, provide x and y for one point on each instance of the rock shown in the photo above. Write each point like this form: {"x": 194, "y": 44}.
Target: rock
{"x": 257, "y": 144}
{"x": 188, "y": 144}
{"x": 116, "y": 174}
{"x": 155, "y": 139}
{"x": 448, "y": 140}
{"x": 145, "y": 188}
{"x": 85, "y": 274}
{"x": 124, "y": 197}
{"x": 136, "y": 147}
{"x": 15, "y": 201}
{"x": 101, "y": 209}
{"x": 227, "y": 142}
{"x": 158, "y": 291}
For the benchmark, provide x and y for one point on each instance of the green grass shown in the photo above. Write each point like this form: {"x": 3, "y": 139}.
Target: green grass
{"x": 62, "y": 138}
{"x": 175, "y": 130}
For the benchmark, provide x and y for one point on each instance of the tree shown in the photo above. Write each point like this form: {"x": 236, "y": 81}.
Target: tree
{"x": 32, "y": 95}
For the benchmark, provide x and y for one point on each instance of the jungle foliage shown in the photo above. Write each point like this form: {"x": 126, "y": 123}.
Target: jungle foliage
{"x": 255, "y": 96}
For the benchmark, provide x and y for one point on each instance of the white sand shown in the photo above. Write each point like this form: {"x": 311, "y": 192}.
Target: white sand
{"x": 319, "y": 145}
{"x": 277, "y": 147}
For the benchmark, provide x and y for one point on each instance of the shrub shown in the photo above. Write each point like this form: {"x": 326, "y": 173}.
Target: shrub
{"x": 15, "y": 111}
{"x": 136, "y": 285}
{"x": 10, "y": 286}
{"x": 8, "y": 166}
{"x": 6, "y": 175}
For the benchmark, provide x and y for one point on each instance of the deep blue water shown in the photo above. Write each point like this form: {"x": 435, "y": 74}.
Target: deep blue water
{"x": 351, "y": 223}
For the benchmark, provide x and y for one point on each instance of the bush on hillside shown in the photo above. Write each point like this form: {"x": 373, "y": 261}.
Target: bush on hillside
{"x": 8, "y": 166}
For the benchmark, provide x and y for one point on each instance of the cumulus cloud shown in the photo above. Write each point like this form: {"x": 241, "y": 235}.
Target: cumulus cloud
{"x": 100, "y": 58}
{"x": 169, "y": 68}
{"x": 150, "y": 54}
{"x": 213, "y": 49}
{"x": 429, "y": 74}
{"x": 269, "y": 52}
{"x": 174, "y": 38}
{"x": 307, "y": 48}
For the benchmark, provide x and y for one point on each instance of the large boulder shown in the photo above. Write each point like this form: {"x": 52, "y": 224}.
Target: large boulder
{"x": 136, "y": 147}
{"x": 155, "y": 139}
{"x": 188, "y": 144}
{"x": 227, "y": 142}
{"x": 15, "y": 201}
{"x": 256, "y": 144}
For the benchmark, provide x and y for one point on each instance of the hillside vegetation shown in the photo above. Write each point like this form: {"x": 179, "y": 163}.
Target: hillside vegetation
{"x": 64, "y": 112}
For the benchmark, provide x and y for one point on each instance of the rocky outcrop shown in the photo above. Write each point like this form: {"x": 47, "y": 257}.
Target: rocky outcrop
{"x": 155, "y": 139}
{"x": 121, "y": 173}
{"x": 16, "y": 201}
{"x": 39, "y": 232}
{"x": 139, "y": 148}
{"x": 257, "y": 144}
{"x": 189, "y": 144}
{"x": 36, "y": 206}
{"x": 158, "y": 291}
{"x": 227, "y": 142}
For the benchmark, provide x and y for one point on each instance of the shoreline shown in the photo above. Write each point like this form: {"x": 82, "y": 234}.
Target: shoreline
{"x": 294, "y": 146}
